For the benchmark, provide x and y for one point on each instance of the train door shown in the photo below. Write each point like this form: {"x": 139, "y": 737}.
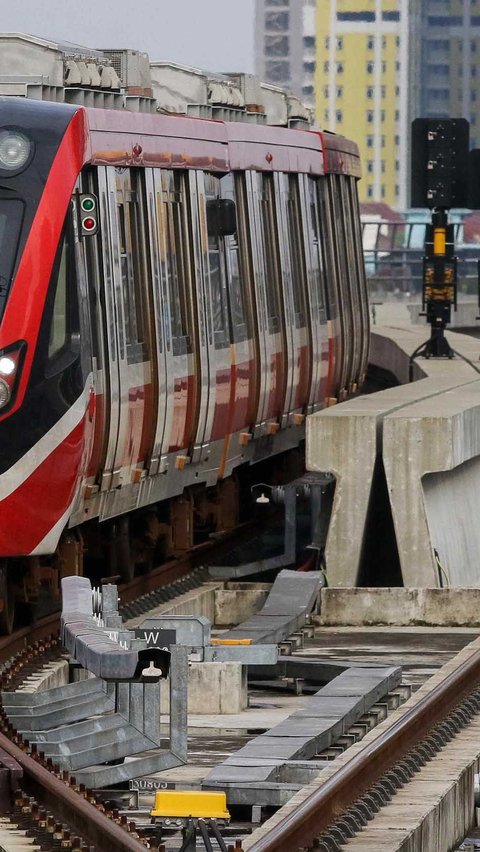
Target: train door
{"x": 346, "y": 306}
{"x": 126, "y": 273}
{"x": 302, "y": 334}
{"x": 336, "y": 321}
{"x": 359, "y": 266}
{"x": 267, "y": 275}
{"x": 316, "y": 290}
{"x": 243, "y": 345}
{"x": 169, "y": 235}
{"x": 213, "y": 319}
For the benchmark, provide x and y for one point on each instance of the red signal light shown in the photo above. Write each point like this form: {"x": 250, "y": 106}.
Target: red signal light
{"x": 89, "y": 224}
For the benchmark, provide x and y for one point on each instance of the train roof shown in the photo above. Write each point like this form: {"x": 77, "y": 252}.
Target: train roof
{"x": 215, "y": 145}
{"x": 126, "y": 138}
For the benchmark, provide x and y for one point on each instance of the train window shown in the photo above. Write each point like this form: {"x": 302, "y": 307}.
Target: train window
{"x": 11, "y": 215}
{"x": 316, "y": 250}
{"x": 176, "y": 268}
{"x": 234, "y": 189}
{"x": 328, "y": 249}
{"x": 297, "y": 252}
{"x": 216, "y": 273}
{"x": 63, "y": 289}
{"x": 58, "y": 327}
{"x": 133, "y": 240}
{"x": 272, "y": 272}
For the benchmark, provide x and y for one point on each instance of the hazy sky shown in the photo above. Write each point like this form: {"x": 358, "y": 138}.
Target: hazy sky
{"x": 216, "y": 35}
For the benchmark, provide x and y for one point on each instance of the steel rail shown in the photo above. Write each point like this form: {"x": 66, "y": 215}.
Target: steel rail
{"x": 84, "y": 817}
{"x": 325, "y": 805}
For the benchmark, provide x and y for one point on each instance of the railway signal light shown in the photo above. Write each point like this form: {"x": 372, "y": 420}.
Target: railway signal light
{"x": 440, "y": 148}
{"x": 88, "y": 214}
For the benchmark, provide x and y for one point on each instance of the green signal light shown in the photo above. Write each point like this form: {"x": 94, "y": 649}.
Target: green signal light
{"x": 88, "y": 204}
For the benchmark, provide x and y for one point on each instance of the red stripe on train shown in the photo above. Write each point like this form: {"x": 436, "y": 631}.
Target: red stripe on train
{"x": 27, "y": 516}
{"x": 24, "y": 309}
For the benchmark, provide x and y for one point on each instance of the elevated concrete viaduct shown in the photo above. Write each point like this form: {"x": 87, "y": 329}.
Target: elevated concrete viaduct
{"x": 423, "y": 440}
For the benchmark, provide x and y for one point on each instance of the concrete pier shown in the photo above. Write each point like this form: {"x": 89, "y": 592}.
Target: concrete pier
{"x": 423, "y": 438}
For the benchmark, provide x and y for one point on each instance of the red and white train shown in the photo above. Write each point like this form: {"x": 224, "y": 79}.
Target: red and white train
{"x": 176, "y": 295}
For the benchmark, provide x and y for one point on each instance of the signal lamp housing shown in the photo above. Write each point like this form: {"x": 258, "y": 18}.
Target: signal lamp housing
{"x": 88, "y": 214}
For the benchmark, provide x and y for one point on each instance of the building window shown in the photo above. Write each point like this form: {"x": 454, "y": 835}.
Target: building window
{"x": 339, "y": 67}
{"x": 370, "y": 66}
{"x": 370, "y": 93}
{"x": 382, "y": 115}
{"x": 370, "y": 43}
{"x": 308, "y": 41}
{"x": 356, "y": 16}
{"x": 339, "y": 116}
{"x": 370, "y": 166}
{"x": 339, "y": 91}
{"x": 339, "y": 43}
{"x": 277, "y": 45}
{"x": 369, "y": 191}
{"x": 370, "y": 116}
{"x": 326, "y": 66}
{"x": 277, "y": 21}
{"x": 391, "y": 16}
{"x": 383, "y": 190}
{"x": 369, "y": 141}
{"x": 277, "y": 72}
{"x": 309, "y": 67}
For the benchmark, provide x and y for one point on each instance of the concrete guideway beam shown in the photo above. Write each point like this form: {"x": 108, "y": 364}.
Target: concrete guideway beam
{"x": 431, "y": 455}
{"x": 347, "y": 439}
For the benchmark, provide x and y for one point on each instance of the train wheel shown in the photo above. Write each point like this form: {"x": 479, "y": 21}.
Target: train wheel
{"x": 7, "y": 601}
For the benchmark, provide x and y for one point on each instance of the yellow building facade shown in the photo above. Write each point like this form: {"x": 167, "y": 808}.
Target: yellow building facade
{"x": 361, "y": 65}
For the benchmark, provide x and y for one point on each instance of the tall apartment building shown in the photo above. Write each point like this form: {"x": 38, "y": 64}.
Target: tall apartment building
{"x": 285, "y": 45}
{"x": 370, "y": 67}
{"x": 362, "y": 82}
{"x": 382, "y": 63}
{"x": 446, "y": 43}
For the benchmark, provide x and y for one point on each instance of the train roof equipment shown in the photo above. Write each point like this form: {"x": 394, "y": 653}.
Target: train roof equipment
{"x": 125, "y": 79}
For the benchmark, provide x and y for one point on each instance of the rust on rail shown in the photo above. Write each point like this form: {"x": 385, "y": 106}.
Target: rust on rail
{"x": 90, "y": 823}
{"x": 326, "y": 804}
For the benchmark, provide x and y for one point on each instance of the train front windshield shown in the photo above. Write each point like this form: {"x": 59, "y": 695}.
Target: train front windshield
{"x": 11, "y": 212}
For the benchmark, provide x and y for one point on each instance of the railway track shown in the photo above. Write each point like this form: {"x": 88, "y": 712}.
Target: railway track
{"x": 50, "y": 810}
{"x": 55, "y": 810}
{"x": 388, "y": 760}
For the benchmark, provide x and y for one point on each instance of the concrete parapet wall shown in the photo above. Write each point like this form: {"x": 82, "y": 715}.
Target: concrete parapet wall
{"x": 197, "y": 602}
{"x": 399, "y": 607}
{"x": 232, "y": 606}
{"x": 213, "y": 688}
{"x": 347, "y": 439}
{"x": 431, "y": 458}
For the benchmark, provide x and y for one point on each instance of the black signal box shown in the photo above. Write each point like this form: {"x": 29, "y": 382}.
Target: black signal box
{"x": 440, "y": 162}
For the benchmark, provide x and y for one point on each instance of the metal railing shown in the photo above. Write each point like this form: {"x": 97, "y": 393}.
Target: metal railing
{"x": 393, "y": 253}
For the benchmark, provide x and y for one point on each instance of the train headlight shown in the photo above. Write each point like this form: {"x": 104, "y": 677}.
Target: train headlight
{"x": 7, "y": 366}
{"x": 15, "y": 150}
{"x": 5, "y": 393}
{"x": 11, "y": 360}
